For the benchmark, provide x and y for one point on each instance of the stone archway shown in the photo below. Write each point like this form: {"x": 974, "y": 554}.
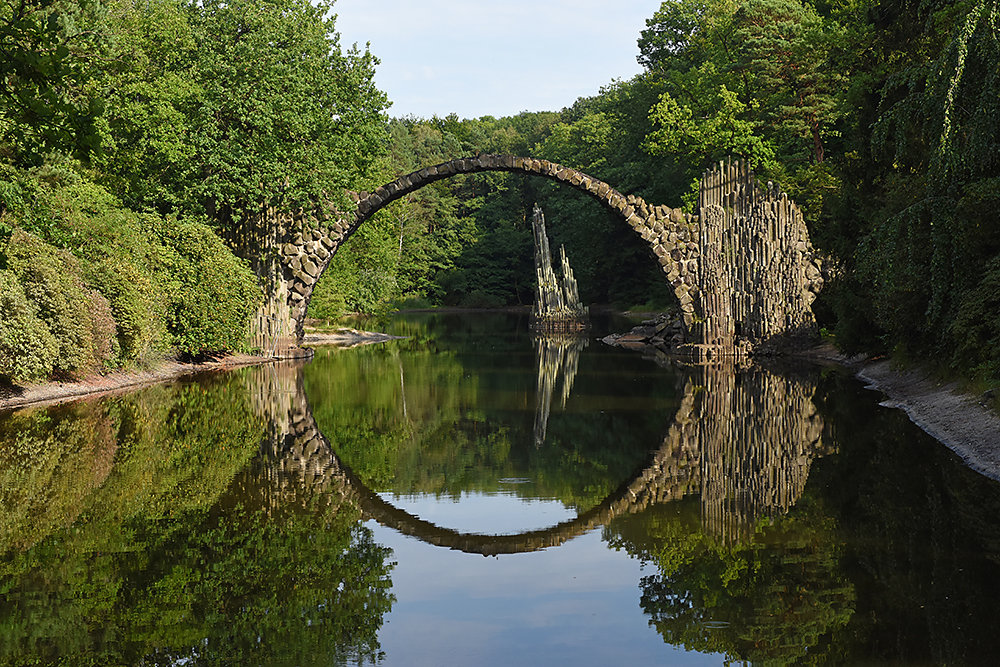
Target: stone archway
{"x": 743, "y": 269}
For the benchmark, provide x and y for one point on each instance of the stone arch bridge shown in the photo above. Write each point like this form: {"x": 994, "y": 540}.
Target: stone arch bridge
{"x": 742, "y": 267}
{"x": 742, "y": 439}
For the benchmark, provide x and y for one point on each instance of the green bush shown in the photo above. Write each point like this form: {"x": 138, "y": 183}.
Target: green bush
{"x": 327, "y": 302}
{"x": 481, "y": 298}
{"x": 211, "y": 292}
{"x": 138, "y": 305}
{"x": 28, "y": 349}
{"x": 103, "y": 331}
{"x": 52, "y": 281}
{"x": 976, "y": 329}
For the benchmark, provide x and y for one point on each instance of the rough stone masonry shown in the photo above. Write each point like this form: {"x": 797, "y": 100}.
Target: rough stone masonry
{"x": 742, "y": 267}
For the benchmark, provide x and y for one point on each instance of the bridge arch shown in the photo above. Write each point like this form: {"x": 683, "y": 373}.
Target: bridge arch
{"x": 670, "y": 233}
{"x": 742, "y": 268}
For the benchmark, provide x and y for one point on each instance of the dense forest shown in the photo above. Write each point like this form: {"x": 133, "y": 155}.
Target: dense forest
{"x": 133, "y": 134}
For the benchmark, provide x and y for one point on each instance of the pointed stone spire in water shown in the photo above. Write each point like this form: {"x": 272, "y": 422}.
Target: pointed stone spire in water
{"x": 557, "y": 302}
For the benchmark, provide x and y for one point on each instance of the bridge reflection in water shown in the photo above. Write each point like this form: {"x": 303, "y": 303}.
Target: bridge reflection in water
{"x": 743, "y": 438}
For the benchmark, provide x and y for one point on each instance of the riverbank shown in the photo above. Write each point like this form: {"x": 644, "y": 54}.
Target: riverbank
{"x": 50, "y": 393}
{"x": 957, "y": 420}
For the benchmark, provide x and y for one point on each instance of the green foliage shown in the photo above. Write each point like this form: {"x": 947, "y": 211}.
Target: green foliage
{"x": 220, "y": 106}
{"x": 929, "y": 194}
{"x": 976, "y": 328}
{"x": 53, "y": 282}
{"x": 362, "y": 276}
{"x": 212, "y": 293}
{"x": 138, "y": 305}
{"x": 50, "y": 49}
{"x": 27, "y": 348}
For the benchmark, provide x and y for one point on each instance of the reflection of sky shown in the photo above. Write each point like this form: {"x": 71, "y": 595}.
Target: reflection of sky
{"x": 484, "y": 514}
{"x": 576, "y": 604}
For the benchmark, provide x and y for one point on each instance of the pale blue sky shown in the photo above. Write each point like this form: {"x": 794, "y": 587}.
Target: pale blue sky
{"x": 494, "y": 58}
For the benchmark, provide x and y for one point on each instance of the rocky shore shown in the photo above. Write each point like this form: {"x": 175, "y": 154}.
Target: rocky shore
{"x": 963, "y": 423}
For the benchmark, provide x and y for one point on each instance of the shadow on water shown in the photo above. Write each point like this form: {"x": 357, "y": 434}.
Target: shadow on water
{"x": 781, "y": 515}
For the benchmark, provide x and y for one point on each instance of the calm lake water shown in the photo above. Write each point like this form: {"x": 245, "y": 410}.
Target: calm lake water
{"x": 475, "y": 496}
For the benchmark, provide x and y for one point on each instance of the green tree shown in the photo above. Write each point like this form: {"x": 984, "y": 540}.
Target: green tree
{"x": 223, "y": 106}
{"x": 49, "y": 50}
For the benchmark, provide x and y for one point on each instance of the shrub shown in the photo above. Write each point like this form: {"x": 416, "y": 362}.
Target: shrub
{"x": 51, "y": 280}
{"x": 103, "y": 330}
{"x": 27, "y": 347}
{"x": 211, "y": 292}
{"x": 137, "y": 303}
{"x": 481, "y": 298}
{"x": 976, "y": 329}
{"x": 327, "y": 302}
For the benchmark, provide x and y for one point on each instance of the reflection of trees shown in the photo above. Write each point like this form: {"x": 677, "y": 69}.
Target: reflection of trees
{"x": 147, "y": 552}
{"x": 773, "y": 598}
{"x": 737, "y": 572}
{"x": 469, "y": 422}
{"x": 558, "y": 358}
{"x": 922, "y": 531}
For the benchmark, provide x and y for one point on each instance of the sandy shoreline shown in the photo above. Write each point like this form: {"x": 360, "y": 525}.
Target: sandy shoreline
{"x": 51, "y": 393}
{"x": 957, "y": 420}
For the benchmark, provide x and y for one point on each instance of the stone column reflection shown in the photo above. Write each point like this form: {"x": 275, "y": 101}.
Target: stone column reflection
{"x": 558, "y": 357}
{"x": 744, "y": 439}
{"x": 296, "y": 467}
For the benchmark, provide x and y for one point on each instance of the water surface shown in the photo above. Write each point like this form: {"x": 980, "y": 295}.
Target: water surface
{"x": 471, "y": 495}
